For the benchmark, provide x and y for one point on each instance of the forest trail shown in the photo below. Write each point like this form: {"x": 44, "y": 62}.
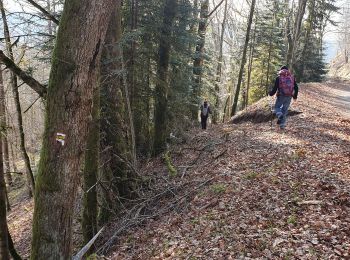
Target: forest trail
{"x": 267, "y": 194}
{"x": 243, "y": 191}
{"x": 340, "y": 96}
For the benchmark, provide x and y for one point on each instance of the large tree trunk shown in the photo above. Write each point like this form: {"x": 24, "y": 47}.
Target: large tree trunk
{"x": 91, "y": 166}
{"x": 244, "y": 58}
{"x": 267, "y": 87}
{"x": 14, "y": 85}
{"x": 198, "y": 58}
{"x": 216, "y": 115}
{"x": 7, "y": 170}
{"x": 4, "y": 252}
{"x": 162, "y": 87}
{"x": 116, "y": 138}
{"x": 250, "y": 65}
{"x": 68, "y": 111}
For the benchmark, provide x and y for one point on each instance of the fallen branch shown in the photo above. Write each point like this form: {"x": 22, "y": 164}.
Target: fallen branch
{"x": 220, "y": 154}
{"x": 310, "y": 202}
{"x": 134, "y": 218}
{"x": 83, "y": 251}
{"x": 30, "y": 81}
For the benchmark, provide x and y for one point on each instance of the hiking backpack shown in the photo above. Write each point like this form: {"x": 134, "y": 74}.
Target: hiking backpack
{"x": 286, "y": 84}
{"x": 205, "y": 110}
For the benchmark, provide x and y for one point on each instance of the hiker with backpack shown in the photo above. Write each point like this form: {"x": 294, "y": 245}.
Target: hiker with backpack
{"x": 286, "y": 88}
{"x": 205, "y": 111}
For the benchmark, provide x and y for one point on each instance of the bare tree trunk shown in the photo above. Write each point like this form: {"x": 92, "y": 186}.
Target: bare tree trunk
{"x": 7, "y": 170}
{"x": 25, "y": 157}
{"x": 269, "y": 61}
{"x": 12, "y": 248}
{"x": 309, "y": 28}
{"x": 68, "y": 112}
{"x": 198, "y": 58}
{"x": 216, "y": 115}
{"x": 244, "y": 58}
{"x": 162, "y": 87}
{"x": 293, "y": 39}
{"x": 4, "y": 251}
{"x": 14, "y": 157}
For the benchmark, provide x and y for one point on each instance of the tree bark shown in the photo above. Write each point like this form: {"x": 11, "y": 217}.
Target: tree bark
{"x": 4, "y": 251}
{"x": 250, "y": 65}
{"x": 309, "y": 28}
{"x": 73, "y": 78}
{"x": 162, "y": 87}
{"x": 198, "y": 58}
{"x": 216, "y": 115}
{"x": 14, "y": 85}
{"x": 7, "y": 170}
{"x": 116, "y": 139}
{"x": 294, "y": 39}
{"x": 269, "y": 61}
{"x": 12, "y": 248}
{"x": 91, "y": 165}
{"x": 244, "y": 58}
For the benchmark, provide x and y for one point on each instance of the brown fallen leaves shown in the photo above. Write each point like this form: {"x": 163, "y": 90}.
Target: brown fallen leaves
{"x": 276, "y": 195}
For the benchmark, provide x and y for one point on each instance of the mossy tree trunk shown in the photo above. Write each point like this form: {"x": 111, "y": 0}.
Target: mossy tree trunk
{"x": 162, "y": 86}
{"x": 14, "y": 85}
{"x": 4, "y": 251}
{"x": 116, "y": 138}
{"x": 244, "y": 59}
{"x": 198, "y": 58}
{"x": 89, "y": 221}
{"x": 73, "y": 78}
{"x": 7, "y": 170}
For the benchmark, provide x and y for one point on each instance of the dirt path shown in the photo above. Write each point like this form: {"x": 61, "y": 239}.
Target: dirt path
{"x": 340, "y": 97}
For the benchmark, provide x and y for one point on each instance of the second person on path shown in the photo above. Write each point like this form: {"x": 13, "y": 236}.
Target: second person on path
{"x": 205, "y": 111}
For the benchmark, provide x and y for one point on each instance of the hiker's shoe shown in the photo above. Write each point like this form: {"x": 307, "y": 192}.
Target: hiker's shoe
{"x": 279, "y": 120}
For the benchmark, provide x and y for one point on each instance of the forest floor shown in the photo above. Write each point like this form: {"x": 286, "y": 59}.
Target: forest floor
{"x": 242, "y": 191}
{"x": 253, "y": 192}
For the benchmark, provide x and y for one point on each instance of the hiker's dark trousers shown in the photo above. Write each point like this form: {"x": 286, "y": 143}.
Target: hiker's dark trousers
{"x": 281, "y": 108}
{"x": 204, "y": 121}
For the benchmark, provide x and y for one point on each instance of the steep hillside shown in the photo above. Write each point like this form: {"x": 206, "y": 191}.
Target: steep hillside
{"x": 250, "y": 191}
{"x": 338, "y": 68}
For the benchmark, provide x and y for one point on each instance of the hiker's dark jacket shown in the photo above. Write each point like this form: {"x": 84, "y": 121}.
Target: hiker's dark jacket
{"x": 277, "y": 83}
{"x": 209, "y": 110}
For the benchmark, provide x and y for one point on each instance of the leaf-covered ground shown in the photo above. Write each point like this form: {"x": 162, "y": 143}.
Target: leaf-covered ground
{"x": 245, "y": 191}
{"x": 267, "y": 194}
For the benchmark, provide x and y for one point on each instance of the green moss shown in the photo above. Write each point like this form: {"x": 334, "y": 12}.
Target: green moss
{"x": 251, "y": 175}
{"x": 171, "y": 168}
{"x": 218, "y": 188}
